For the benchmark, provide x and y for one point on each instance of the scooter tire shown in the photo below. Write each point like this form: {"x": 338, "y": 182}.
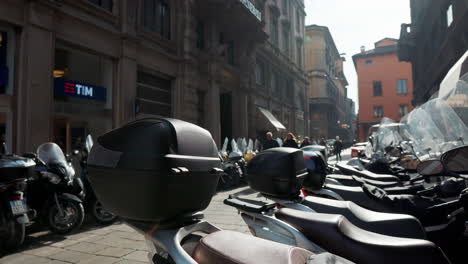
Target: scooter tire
{"x": 15, "y": 234}
{"x": 70, "y": 227}
{"x": 96, "y": 212}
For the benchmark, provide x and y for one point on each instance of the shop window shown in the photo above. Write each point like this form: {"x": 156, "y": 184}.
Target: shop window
{"x": 157, "y": 17}
{"x": 81, "y": 77}
{"x": 260, "y": 72}
{"x": 154, "y": 95}
{"x": 402, "y": 87}
{"x": 403, "y": 109}
{"x": 378, "y": 111}
{"x": 200, "y": 35}
{"x": 377, "y": 87}
{"x": 83, "y": 84}
{"x": 106, "y": 4}
{"x": 274, "y": 31}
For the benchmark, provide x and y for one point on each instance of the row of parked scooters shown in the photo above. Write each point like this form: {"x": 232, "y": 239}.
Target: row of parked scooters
{"x": 160, "y": 174}
{"x": 42, "y": 188}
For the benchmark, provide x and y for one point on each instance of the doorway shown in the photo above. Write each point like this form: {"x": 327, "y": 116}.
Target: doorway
{"x": 69, "y": 134}
{"x": 225, "y": 104}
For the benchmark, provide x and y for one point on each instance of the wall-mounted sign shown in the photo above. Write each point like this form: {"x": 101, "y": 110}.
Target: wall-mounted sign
{"x": 252, "y": 9}
{"x": 64, "y": 87}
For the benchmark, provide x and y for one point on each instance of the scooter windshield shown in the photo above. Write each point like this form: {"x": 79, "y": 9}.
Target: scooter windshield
{"x": 449, "y": 123}
{"x": 441, "y": 124}
{"x": 235, "y": 153}
{"x": 426, "y": 136}
{"x": 50, "y": 153}
{"x": 89, "y": 143}
{"x": 387, "y": 135}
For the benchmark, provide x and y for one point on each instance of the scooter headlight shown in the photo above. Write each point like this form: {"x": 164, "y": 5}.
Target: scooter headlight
{"x": 53, "y": 178}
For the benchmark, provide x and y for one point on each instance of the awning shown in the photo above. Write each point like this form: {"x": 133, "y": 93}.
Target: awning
{"x": 271, "y": 119}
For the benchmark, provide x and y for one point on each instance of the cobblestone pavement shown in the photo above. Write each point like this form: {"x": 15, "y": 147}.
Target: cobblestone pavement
{"x": 116, "y": 243}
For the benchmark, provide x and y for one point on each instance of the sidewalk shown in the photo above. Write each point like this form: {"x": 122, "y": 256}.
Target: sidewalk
{"x": 345, "y": 156}
{"x": 117, "y": 243}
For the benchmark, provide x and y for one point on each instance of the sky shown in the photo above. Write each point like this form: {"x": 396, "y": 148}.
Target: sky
{"x": 356, "y": 23}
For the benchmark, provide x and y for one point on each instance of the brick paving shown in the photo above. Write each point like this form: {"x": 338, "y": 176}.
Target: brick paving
{"x": 116, "y": 243}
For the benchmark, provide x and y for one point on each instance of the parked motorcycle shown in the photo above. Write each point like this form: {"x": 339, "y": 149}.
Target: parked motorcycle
{"x": 278, "y": 174}
{"x": 91, "y": 204}
{"x": 186, "y": 175}
{"x": 14, "y": 172}
{"x": 231, "y": 165}
{"x": 54, "y": 191}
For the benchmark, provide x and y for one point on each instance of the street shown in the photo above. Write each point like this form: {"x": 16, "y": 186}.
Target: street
{"x": 116, "y": 243}
{"x": 345, "y": 155}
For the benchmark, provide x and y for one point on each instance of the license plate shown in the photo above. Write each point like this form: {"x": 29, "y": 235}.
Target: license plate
{"x": 18, "y": 207}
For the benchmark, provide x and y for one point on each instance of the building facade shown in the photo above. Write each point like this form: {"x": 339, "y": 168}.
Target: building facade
{"x": 280, "y": 82}
{"x": 73, "y": 67}
{"x": 385, "y": 85}
{"x": 436, "y": 38}
{"x": 327, "y": 91}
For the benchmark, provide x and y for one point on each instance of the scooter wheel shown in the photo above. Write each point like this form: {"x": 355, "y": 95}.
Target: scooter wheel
{"x": 71, "y": 219}
{"x": 101, "y": 215}
{"x": 14, "y": 236}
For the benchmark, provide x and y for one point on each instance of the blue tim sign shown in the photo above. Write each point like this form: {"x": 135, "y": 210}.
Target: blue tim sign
{"x": 64, "y": 87}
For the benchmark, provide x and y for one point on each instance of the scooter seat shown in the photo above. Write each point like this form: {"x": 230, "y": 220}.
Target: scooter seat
{"x": 229, "y": 247}
{"x": 408, "y": 189}
{"x": 337, "y": 235}
{"x": 378, "y": 183}
{"x": 344, "y": 179}
{"x": 389, "y": 187}
{"x": 383, "y": 223}
{"x": 358, "y": 196}
{"x": 350, "y": 170}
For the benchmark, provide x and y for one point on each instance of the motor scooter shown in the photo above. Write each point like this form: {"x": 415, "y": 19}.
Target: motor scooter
{"x": 14, "y": 211}
{"x": 54, "y": 191}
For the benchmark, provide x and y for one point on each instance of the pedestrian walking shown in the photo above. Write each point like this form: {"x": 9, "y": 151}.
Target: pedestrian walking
{"x": 290, "y": 141}
{"x": 323, "y": 142}
{"x": 306, "y": 142}
{"x": 338, "y": 145}
{"x": 270, "y": 142}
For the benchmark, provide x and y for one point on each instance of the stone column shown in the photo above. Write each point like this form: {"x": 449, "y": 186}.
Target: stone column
{"x": 214, "y": 106}
{"x": 125, "y": 91}
{"x": 35, "y": 89}
{"x": 247, "y": 82}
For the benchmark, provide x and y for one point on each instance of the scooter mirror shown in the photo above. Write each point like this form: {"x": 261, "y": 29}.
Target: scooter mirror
{"x": 430, "y": 167}
{"x": 456, "y": 160}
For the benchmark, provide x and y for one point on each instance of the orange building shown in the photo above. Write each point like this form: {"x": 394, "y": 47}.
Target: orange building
{"x": 385, "y": 85}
